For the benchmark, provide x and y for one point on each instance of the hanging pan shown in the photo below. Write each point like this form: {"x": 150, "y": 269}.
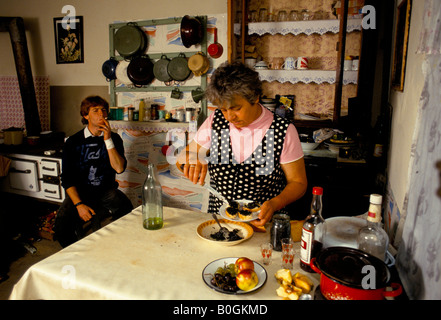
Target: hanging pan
{"x": 160, "y": 70}
{"x": 140, "y": 70}
{"x": 121, "y": 72}
{"x": 199, "y": 64}
{"x": 178, "y": 68}
{"x": 191, "y": 31}
{"x": 130, "y": 40}
{"x": 109, "y": 69}
{"x": 215, "y": 49}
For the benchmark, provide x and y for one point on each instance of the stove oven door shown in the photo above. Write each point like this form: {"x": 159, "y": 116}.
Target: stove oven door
{"x": 50, "y": 169}
{"x": 23, "y": 175}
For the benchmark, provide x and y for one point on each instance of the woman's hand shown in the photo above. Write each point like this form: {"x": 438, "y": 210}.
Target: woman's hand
{"x": 267, "y": 210}
{"x": 191, "y": 161}
{"x": 196, "y": 172}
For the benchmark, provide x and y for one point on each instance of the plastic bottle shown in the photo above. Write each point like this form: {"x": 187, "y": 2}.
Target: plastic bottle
{"x": 372, "y": 238}
{"x": 141, "y": 110}
{"x": 312, "y": 231}
{"x": 152, "y": 201}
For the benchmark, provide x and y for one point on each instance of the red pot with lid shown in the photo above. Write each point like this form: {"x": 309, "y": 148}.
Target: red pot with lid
{"x": 351, "y": 274}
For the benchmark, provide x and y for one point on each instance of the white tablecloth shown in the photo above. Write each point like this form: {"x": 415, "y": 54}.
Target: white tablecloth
{"x": 125, "y": 261}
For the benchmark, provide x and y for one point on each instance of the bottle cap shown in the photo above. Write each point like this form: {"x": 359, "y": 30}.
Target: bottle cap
{"x": 317, "y": 190}
{"x": 376, "y": 199}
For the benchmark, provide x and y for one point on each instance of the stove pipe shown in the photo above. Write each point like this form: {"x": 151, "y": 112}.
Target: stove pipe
{"x": 15, "y": 27}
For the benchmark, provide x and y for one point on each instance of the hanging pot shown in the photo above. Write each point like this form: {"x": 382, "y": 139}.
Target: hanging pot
{"x": 140, "y": 71}
{"x": 109, "y": 69}
{"x": 121, "y": 72}
{"x": 160, "y": 70}
{"x": 191, "y": 31}
{"x": 178, "y": 68}
{"x": 215, "y": 49}
{"x": 198, "y": 64}
{"x": 130, "y": 40}
{"x": 351, "y": 274}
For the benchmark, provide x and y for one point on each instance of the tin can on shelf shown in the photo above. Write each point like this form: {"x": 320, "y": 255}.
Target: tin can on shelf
{"x": 189, "y": 114}
{"x": 180, "y": 115}
{"x": 281, "y": 228}
{"x": 130, "y": 114}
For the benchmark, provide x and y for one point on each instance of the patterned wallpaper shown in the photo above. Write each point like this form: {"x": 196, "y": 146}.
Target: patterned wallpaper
{"x": 11, "y": 107}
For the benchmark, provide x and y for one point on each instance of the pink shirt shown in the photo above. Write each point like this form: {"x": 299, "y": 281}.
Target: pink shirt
{"x": 245, "y": 140}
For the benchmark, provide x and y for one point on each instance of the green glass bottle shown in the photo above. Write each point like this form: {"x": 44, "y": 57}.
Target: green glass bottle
{"x": 152, "y": 200}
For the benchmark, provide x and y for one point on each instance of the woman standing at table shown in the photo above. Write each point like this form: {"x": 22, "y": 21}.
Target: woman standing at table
{"x": 252, "y": 153}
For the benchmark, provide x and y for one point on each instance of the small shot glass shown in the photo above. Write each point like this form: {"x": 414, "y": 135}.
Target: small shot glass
{"x": 287, "y": 253}
{"x": 266, "y": 249}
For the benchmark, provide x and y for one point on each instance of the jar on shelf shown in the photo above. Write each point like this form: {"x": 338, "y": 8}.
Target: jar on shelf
{"x": 294, "y": 15}
{"x": 306, "y": 15}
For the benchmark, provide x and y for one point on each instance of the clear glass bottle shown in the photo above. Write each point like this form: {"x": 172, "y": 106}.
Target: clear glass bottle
{"x": 312, "y": 231}
{"x": 152, "y": 200}
{"x": 372, "y": 238}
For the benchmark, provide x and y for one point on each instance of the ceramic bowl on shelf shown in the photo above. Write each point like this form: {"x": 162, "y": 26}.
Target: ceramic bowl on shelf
{"x": 261, "y": 65}
{"x": 307, "y": 146}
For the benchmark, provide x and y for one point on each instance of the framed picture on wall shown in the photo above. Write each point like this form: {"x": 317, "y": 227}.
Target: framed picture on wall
{"x": 69, "y": 39}
{"x": 400, "y": 48}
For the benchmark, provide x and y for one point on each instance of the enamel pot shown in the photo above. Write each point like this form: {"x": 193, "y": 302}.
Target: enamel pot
{"x": 121, "y": 72}
{"x": 130, "y": 40}
{"x": 178, "y": 68}
{"x": 198, "y": 64}
{"x": 215, "y": 49}
{"x": 140, "y": 71}
{"x": 191, "y": 31}
{"x": 160, "y": 69}
{"x": 351, "y": 274}
{"x": 109, "y": 69}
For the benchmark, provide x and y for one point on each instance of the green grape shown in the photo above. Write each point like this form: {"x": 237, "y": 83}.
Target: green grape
{"x": 220, "y": 270}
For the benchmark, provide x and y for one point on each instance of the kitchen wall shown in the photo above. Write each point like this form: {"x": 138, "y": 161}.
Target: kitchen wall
{"x": 415, "y": 151}
{"x": 70, "y": 83}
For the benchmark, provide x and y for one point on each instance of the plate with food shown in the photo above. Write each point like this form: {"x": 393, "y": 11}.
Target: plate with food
{"x": 220, "y": 275}
{"x": 238, "y": 232}
{"x": 240, "y": 210}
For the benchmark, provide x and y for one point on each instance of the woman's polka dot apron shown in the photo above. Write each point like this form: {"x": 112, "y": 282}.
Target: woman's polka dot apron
{"x": 259, "y": 177}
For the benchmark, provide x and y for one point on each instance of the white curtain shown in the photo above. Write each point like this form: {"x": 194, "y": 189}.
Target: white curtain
{"x": 419, "y": 255}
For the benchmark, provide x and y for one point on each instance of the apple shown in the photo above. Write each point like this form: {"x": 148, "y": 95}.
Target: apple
{"x": 246, "y": 279}
{"x": 243, "y": 263}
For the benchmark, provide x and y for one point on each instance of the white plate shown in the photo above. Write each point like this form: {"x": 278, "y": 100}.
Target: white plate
{"x": 207, "y": 228}
{"x": 254, "y": 215}
{"x": 342, "y": 231}
{"x": 210, "y": 269}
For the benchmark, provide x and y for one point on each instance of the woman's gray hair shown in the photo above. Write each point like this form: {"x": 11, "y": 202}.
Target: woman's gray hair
{"x": 233, "y": 79}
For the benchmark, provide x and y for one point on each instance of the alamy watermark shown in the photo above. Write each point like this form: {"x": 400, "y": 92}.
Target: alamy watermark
{"x": 68, "y": 21}
{"x": 69, "y": 280}
{"x": 264, "y": 159}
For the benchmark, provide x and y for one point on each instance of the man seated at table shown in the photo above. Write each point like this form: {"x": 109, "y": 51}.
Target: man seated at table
{"x": 91, "y": 159}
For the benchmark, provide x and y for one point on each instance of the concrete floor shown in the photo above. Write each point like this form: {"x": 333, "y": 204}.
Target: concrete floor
{"x": 45, "y": 248}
